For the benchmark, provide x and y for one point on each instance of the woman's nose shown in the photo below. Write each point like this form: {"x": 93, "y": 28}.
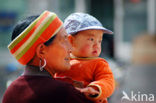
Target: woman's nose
{"x": 69, "y": 46}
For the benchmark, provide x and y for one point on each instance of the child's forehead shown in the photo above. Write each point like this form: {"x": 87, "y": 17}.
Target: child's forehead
{"x": 91, "y": 33}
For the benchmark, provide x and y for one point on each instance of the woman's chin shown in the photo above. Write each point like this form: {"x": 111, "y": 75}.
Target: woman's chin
{"x": 66, "y": 67}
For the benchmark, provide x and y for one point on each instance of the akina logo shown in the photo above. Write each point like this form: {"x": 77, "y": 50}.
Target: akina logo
{"x": 137, "y": 97}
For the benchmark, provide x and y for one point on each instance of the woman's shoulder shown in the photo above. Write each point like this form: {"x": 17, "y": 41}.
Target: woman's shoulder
{"x": 50, "y": 88}
{"x": 40, "y": 81}
{"x": 44, "y": 84}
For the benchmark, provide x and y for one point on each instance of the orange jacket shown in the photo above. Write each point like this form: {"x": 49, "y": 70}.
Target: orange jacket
{"x": 92, "y": 72}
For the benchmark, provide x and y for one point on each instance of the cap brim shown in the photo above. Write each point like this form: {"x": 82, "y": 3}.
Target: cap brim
{"x": 97, "y": 27}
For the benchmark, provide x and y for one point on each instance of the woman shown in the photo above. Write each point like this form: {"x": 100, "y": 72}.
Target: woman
{"x": 40, "y": 43}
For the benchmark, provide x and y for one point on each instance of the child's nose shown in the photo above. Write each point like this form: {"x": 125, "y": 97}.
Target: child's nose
{"x": 95, "y": 45}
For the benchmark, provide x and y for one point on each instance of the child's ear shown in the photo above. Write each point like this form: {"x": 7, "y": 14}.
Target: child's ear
{"x": 40, "y": 50}
{"x": 70, "y": 39}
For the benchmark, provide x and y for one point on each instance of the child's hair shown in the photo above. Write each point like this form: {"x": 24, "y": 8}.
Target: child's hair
{"x": 23, "y": 24}
{"x": 77, "y": 22}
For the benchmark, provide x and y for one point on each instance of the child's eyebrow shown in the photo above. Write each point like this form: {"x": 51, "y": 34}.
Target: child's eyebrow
{"x": 90, "y": 34}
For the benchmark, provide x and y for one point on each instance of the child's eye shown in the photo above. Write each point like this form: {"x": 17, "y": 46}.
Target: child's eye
{"x": 91, "y": 39}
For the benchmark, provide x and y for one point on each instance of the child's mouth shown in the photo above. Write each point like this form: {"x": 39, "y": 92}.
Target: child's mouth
{"x": 94, "y": 52}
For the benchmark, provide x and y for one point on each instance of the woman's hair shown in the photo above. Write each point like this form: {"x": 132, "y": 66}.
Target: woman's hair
{"x": 23, "y": 24}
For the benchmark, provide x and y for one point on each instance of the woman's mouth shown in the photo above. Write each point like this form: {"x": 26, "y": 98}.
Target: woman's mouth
{"x": 67, "y": 58}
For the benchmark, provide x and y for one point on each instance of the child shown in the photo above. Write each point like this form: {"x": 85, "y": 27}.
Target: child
{"x": 89, "y": 73}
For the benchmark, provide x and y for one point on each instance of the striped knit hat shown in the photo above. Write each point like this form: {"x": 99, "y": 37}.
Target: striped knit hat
{"x": 39, "y": 31}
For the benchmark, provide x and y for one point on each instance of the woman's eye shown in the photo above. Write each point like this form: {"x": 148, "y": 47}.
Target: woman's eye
{"x": 66, "y": 37}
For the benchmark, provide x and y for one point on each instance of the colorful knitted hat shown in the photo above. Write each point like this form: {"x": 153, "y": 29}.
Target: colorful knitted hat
{"x": 39, "y": 31}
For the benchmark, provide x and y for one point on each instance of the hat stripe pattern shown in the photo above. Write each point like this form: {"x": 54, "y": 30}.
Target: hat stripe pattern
{"x": 26, "y": 33}
{"x": 32, "y": 38}
{"x": 39, "y": 31}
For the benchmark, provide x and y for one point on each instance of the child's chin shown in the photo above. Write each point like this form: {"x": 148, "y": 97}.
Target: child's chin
{"x": 95, "y": 55}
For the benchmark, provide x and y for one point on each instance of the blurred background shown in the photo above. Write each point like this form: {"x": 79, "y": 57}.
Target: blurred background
{"x": 130, "y": 51}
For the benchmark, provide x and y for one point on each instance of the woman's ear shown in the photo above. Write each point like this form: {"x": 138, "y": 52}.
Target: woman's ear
{"x": 40, "y": 50}
{"x": 70, "y": 39}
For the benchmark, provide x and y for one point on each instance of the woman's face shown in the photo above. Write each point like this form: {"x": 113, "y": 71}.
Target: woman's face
{"x": 57, "y": 53}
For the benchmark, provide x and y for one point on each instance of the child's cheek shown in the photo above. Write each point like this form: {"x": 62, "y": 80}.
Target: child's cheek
{"x": 85, "y": 49}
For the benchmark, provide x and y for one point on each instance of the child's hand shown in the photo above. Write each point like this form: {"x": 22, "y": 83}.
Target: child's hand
{"x": 91, "y": 92}
{"x": 88, "y": 91}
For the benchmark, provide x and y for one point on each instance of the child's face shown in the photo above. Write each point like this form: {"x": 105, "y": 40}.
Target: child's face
{"x": 87, "y": 43}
